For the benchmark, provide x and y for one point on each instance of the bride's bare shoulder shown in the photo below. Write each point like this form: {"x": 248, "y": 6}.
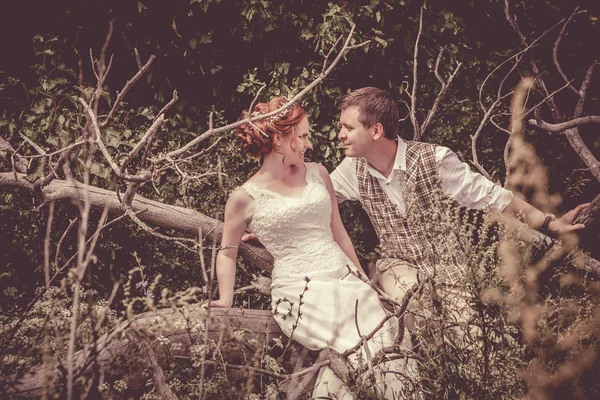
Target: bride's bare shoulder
{"x": 239, "y": 199}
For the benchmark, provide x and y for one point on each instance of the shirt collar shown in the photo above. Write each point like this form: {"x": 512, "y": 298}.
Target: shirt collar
{"x": 399, "y": 161}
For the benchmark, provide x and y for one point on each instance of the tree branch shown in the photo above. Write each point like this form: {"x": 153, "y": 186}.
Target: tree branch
{"x": 154, "y": 212}
{"x": 413, "y": 97}
{"x": 139, "y": 177}
{"x": 563, "y": 126}
{"x": 6, "y": 150}
{"x": 128, "y": 85}
{"x": 583, "y": 90}
{"x": 555, "y": 51}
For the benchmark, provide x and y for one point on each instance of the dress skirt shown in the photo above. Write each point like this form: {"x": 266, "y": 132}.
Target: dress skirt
{"x": 334, "y": 314}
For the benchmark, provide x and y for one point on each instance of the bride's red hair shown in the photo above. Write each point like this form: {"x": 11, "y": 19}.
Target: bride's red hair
{"x": 257, "y": 137}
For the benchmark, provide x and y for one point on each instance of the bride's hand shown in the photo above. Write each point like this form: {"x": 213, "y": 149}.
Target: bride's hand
{"x": 248, "y": 235}
{"x": 221, "y": 303}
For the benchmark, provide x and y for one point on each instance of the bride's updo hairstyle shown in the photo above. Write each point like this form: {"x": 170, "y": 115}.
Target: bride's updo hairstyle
{"x": 257, "y": 137}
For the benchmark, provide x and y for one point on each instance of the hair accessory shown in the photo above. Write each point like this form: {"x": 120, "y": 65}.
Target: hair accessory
{"x": 273, "y": 118}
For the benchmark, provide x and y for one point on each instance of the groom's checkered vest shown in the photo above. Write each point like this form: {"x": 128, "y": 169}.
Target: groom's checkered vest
{"x": 407, "y": 239}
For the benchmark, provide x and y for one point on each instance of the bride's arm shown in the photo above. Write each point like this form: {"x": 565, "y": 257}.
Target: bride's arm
{"x": 237, "y": 215}
{"x": 337, "y": 227}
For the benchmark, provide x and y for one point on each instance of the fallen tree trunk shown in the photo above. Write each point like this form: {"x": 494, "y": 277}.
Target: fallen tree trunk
{"x": 171, "y": 333}
{"x": 152, "y": 212}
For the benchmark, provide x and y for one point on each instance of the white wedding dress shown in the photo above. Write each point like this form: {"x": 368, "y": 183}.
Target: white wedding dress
{"x": 311, "y": 276}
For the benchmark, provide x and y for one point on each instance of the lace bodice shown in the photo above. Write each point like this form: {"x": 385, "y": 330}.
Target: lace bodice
{"x": 297, "y": 231}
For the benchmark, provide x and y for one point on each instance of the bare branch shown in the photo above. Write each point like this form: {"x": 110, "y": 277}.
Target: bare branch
{"x": 137, "y": 58}
{"x": 541, "y": 85}
{"x": 492, "y": 73}
{"x": 513, "y": 23}
{"x": 60, "y": 242}
{"x": 6, "y": 150}
{"x": 60, "y": 151}
{"x": 329, "y": 53}
{"x": 497, "y": 125}
{"x": 140, "y": 177}
{"x": 555, "y": 51}
{"x": 177, "y": 240}
{"x": 474, "y": 138}
{"x": 548, "y": 97}
{"x": 145, "y": 141}
{"x": 34, "y": 145}
{"x": 413, "y": 97}
{"x": 168, "y": 105}
{"x": 434, "y": 109}
{"x": 251, "y": 108}
{"x": 128, "y": 85}
{"x": 41, "y": 151}
{"x": 101, "y": 69}
{"x": 47, "y": 244}
{"x": 583, "y": 90}
{"x": 93, "y": 61}
{"x": 158, "y": 376}
{"x": 437, "y": 66}
{"x": 132, "y": 188}
{"x": 555, "y": 128}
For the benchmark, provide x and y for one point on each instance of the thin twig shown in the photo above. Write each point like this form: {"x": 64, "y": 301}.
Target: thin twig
{"x": 251, "y": 108}
{"x": 142, "y": 176}
{"x": 60, "y": 242}
{"x": 128, "y": 85}
{"x": 555, "y": 51}
{"x": 534, "y": 108}
{"x": 329, "y": 53}
{"x": 47, "y": 244}
{"x": 437, "y": 66}
{"x": 168, "y": 105}
{"x": 583, "y": 90}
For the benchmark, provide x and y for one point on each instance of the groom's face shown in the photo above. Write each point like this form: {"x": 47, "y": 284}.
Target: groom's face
{"x": 356, "y": 138}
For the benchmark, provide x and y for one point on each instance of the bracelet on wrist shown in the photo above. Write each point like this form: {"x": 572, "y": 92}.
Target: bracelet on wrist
{"x": 545, "y": 228}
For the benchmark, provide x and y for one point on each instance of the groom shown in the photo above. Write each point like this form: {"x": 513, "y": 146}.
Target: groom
{"x": 393, "y": 178}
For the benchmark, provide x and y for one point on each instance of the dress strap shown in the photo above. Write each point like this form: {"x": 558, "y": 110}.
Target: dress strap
{"x": 313, "y": 174}
{"x": 253, "y": 190}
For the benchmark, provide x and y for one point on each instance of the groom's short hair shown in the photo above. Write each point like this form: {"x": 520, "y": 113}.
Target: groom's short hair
{"x": 375, "y": 105}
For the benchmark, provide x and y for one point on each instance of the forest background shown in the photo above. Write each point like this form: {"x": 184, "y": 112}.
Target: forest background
{"x": 217, "y": 55}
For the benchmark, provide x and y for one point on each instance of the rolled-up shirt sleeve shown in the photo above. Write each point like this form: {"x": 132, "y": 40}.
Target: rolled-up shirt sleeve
{"x": 468, "y": 188}
{"x": 344, "y": 181}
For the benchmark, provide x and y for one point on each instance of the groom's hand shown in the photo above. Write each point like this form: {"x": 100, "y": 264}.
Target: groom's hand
{"x": 565, "y": 224}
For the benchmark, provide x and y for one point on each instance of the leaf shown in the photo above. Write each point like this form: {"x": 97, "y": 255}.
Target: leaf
{"x": 141, "y": 7}
{"x": 100, "y": 170}
{"x": 174, "y": 25}
{"x": 193, "y": 43}
{"x": 111, "y": 138}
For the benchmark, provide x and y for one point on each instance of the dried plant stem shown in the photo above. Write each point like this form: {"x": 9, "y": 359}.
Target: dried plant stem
{"x": 47, "y": 244}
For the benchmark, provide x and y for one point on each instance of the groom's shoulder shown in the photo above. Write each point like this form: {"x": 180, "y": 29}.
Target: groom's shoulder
{"x": 420, "y": 149}
{"x": 420, "y": 146}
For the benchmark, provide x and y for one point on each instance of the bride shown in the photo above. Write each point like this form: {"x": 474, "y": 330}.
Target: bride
{"x": 291, "y": 207}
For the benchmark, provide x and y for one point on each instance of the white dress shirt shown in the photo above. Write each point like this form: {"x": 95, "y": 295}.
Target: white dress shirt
{"x": 466, "y": 187}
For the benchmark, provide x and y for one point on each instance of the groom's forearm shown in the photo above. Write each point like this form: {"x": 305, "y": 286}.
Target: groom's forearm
{"x": 531, "y": 215}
